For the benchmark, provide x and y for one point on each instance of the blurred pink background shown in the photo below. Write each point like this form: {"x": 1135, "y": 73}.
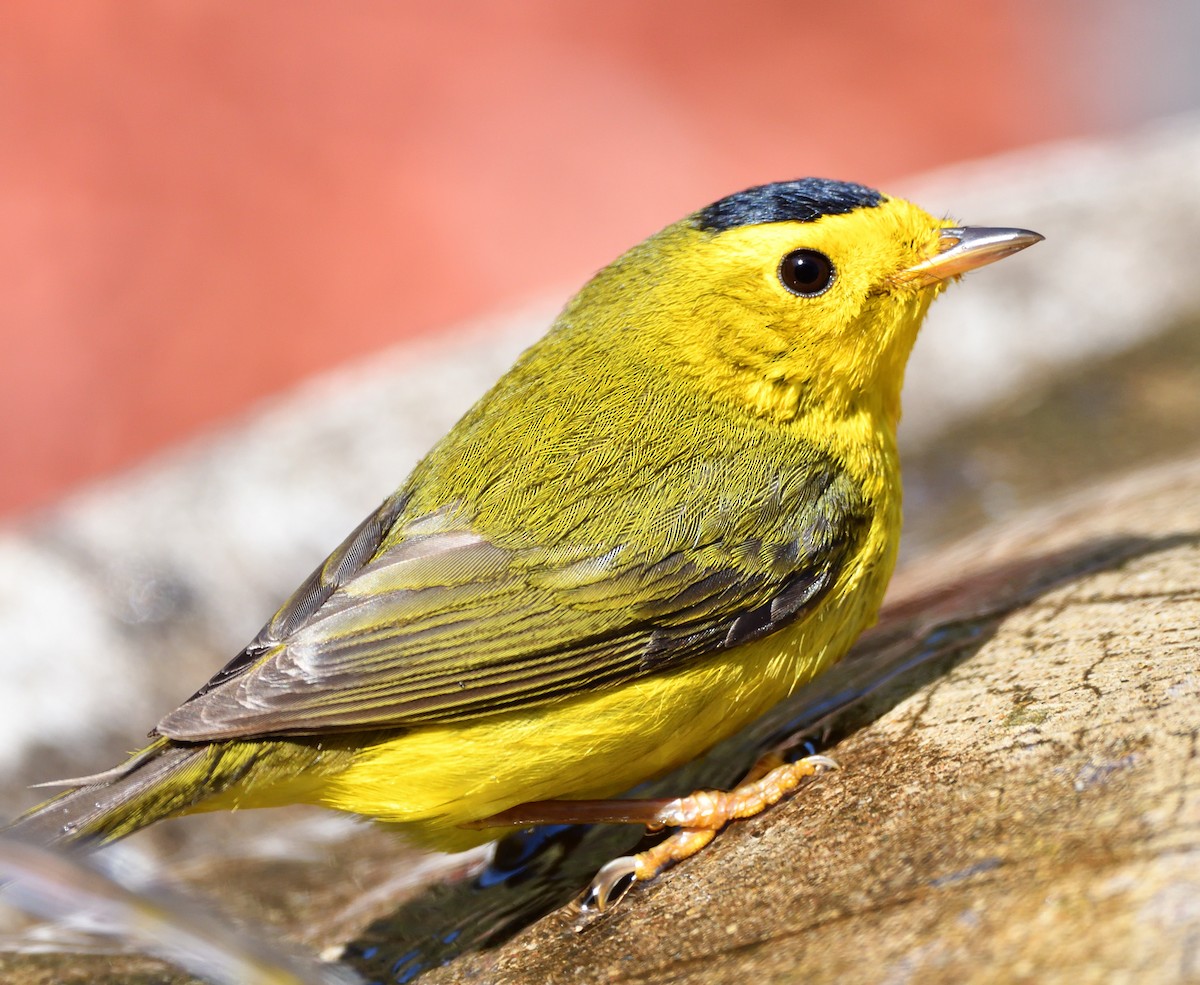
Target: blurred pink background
{"x": 204, "y": 202}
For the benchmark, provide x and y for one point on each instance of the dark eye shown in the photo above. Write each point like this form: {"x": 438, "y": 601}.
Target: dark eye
{"x": 806, "y": 272}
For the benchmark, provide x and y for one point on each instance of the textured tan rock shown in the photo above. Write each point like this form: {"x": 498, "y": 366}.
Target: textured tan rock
{"x": 1031, "y": 815}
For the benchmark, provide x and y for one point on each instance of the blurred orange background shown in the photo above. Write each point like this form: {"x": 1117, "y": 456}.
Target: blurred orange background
{"x": 204, "y": 202}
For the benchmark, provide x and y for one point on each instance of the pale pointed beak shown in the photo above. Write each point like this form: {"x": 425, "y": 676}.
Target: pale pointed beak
{"x": 964, "y": 248}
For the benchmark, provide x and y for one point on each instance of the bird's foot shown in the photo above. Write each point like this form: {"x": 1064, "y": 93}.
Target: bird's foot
{"x": 699, "y": 817}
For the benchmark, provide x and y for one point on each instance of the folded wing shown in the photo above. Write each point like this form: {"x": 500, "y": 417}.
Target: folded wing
{"x": 423, "y": 619}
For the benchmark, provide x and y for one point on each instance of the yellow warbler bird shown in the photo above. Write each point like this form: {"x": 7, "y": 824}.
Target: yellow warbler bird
{"x": 675, "y": 509}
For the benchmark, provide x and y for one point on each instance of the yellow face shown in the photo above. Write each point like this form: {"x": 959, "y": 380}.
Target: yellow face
{"x": 782, "y": 314}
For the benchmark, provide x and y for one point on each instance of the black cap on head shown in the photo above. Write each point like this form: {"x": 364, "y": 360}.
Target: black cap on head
{"x": 803, "y": 200}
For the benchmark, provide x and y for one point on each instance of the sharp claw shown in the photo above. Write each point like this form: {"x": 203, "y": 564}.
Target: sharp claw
{"x": 822, "y": 761}
{"x": 606, "y": 890}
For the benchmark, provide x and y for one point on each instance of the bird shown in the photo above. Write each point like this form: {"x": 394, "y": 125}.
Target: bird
{"x": 675, "y": 509}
